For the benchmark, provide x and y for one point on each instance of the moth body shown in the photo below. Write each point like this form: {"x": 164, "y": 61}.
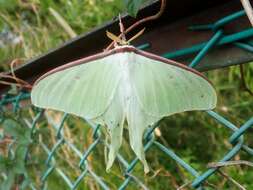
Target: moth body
{"x": 124, "y": 84}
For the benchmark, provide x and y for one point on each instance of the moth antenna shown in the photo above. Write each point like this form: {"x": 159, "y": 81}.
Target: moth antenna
{"x": 146, "y": 19}
{"x": 136, "y": 35}
{"x": 122, "y": 29}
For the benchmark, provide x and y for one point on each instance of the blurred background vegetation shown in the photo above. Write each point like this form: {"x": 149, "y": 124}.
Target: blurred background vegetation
{"x": 30, "y": 28}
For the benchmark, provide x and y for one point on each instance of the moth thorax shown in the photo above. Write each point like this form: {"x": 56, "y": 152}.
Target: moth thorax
{"x": 124, "y": 46}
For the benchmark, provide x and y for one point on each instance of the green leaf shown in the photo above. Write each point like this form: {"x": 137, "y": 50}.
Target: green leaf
{"x": 132, "y": 6}
{"x": 4, "y": 162}
{"x": 19, "y": 163}
{"x": 20, "y": 133}
{"x": 25, "y": 183}
{"x": 13, "y": 90}
{"x": 16, "y": 165}
{"x": 8, "y": 183}
{"x": 9, "y": 5}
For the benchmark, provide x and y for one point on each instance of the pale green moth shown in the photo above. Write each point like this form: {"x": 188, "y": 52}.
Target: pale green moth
{"x": 124, "y": 84}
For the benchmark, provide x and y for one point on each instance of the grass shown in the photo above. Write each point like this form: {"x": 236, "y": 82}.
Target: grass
{"x": 194, "y": 136}
{"x": 39, "y": 30}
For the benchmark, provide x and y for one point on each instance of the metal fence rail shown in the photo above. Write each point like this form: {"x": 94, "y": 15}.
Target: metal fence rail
{"x": 236, "y": 139}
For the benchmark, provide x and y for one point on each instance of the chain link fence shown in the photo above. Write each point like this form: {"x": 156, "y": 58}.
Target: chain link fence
{"x": 65, "y": 148}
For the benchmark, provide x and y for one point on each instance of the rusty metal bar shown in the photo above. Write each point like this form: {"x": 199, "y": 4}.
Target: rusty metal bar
{"x": 167, "y": 34}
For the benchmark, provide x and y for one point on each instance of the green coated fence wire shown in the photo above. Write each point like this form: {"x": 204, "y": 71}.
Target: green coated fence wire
{"x": 236, "y": 138}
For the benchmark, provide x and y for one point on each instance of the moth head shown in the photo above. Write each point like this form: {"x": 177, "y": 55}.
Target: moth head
{"x": 121, "y": 40}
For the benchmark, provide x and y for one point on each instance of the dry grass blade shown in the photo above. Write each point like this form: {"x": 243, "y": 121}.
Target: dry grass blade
{"x": 63, "y": 23}
{"x": 248, "y": 9}
{"x": 232, "y": 180}
{"x": 244, "y": 83}
{"x": 138, "y": 181}
{"x": 229, "y": 163}
{"x": 183, "y": 186}
{"x": 19, "y": 82}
